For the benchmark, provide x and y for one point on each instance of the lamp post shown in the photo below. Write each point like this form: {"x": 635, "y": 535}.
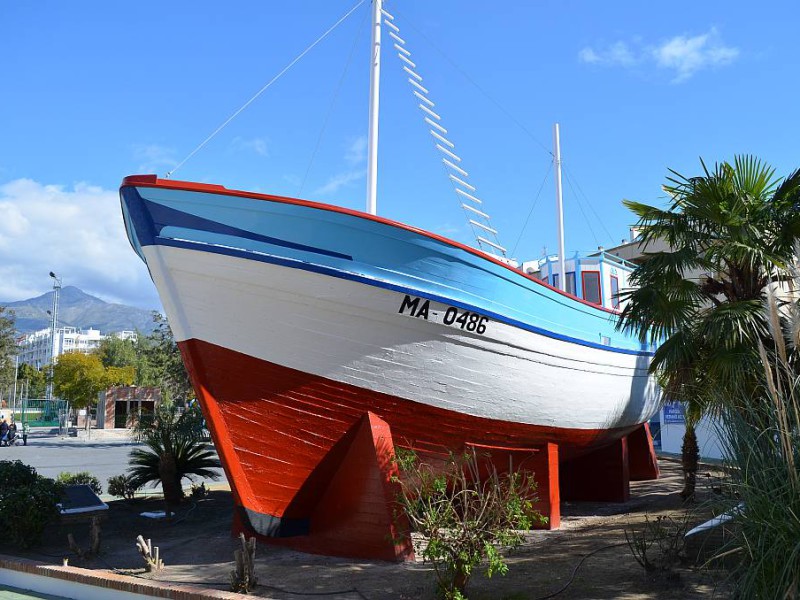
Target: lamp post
{"x": 53, "y": 341}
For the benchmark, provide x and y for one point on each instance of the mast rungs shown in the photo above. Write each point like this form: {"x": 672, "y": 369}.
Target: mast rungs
{"x": 456, "y": 169}
{"x": 406, "y": 60}
{"x": 474, "y": 210}
{"x": 444, "y": 150}
{"x": 399, "y": 48}
{"x": 442, "y": 139}
{"x": 392, "y": 26}
{"x": 433, "y": 123}
{"x": 483, "y": 240}
{"x": 418, "y": 86}
{"x": 423, "y": 98}
{"x": 397, "y": 38}
{"x": 469, "y": 196}
{"x": 410, "y": 72}
{"x": 455, "y": 179}
{"x": 430, "y": 112}
{"x": 482, "y": 226}
{"x": 387, "y": 15}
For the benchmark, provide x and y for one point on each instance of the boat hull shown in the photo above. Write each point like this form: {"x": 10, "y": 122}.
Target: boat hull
{"x": 289, "y": 341}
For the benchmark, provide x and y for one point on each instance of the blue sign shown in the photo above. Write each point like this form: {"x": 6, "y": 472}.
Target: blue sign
{"x": 673, "y": 414}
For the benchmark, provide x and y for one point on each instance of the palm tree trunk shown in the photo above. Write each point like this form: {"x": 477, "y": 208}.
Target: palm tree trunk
{"x": 690, "y": 457}
{"x": 170, "y": 482}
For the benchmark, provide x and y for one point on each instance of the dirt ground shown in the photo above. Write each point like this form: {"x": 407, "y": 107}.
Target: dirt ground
{"x": 197, "y": 548}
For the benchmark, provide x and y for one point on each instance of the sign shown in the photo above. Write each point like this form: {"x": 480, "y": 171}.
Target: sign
{"x": 673, "y": 414}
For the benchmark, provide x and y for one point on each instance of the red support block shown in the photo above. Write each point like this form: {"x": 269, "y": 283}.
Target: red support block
{"x": 542, "y": 461}
{"x": 600, "y": 476}
{"x": 350, "y": 499}
{"x": 642, "y": 455}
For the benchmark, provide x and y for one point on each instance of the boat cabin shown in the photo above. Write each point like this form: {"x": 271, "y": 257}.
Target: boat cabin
{"x": 597, "y": 278}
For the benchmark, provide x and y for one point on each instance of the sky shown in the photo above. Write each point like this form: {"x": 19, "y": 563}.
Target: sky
{"x": 93, "y": 91}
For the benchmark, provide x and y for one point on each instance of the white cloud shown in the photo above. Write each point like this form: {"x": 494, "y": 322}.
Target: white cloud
{"x": 682, "y": 55}
{"x": 687, "y": 55}
{"x": 357, "y": 151}
{"x": 355, "y": 155}
{"x": 155, "y": 158}
{"x": 335, "y": 183}
{"x": 78, "y": 233}
{"x": 257, "y": 145}
{"x": 617, "y": 53}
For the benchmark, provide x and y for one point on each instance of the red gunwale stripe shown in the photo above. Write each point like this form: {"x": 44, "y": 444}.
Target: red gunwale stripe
{"x": 153, "y": 181}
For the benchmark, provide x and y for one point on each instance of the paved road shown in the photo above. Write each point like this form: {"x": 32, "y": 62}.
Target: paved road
{"x": 52, "y": 454}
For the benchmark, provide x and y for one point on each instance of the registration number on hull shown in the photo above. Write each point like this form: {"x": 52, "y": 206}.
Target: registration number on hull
{"x": 420, "y": 308}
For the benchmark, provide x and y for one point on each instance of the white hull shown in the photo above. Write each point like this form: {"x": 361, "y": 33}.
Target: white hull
{"x": 353, "y": 333}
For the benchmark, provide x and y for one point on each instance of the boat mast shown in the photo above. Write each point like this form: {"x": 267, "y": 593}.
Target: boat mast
{"x": 562, "y": 277}
{"x": 374, "y": 89}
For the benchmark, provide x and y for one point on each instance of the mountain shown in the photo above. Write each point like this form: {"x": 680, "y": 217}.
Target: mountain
{"x": 80, "y": 310}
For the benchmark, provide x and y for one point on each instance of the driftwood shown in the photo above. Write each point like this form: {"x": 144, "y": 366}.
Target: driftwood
{"x": 149, "y": 554}
{"x": 94, "y": 540}
{"x": 243, "y": 579}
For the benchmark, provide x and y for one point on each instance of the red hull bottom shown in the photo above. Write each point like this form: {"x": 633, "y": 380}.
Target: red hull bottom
{"x": 274, "y": 427}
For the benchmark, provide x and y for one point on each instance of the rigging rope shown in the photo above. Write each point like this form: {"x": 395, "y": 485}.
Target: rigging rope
{"x": 583, "y": 212}
{"x": 332, "y": 104}
{"x": 263, "y": 89}
{"x": 530, "y": 212}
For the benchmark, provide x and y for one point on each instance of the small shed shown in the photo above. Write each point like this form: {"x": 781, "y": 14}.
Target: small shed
{"x": 119, "y": 407}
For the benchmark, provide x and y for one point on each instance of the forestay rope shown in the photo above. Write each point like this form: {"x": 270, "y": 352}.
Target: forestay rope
{"x": 466, "y": 193}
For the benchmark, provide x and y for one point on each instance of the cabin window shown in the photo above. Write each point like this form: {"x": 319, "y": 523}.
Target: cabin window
{"x": 615, "y": 291}
{"x": 591, "y": 287}
{"x": 571, "y": 282}
{"x": 555, "y": 281}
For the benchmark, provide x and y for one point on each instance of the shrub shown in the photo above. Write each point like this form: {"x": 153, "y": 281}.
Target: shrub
{"x": 761, "y": 439}
{"x": 657, "y": 543}
{"x": 82, "y": 478}
{"x": 468, "y": 513}
{"x": 28, "y": 502}
{"x": 122, "y": 486}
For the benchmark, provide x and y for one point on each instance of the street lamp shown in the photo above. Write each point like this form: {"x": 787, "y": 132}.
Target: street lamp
{"x": 53, "y": 325}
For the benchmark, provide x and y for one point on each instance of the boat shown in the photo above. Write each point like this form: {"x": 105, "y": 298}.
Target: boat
{"x": 302, "y": 324}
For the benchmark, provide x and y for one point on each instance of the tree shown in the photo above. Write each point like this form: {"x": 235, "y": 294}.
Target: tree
{"x": 78, "y": 378}
{"x": 34, "y": 379}
{"x": 174, "y": 449}
{"x": 116, "y": 352}
{"x": 8, "y": 349}
{"x": 161, "y": 363}
{"x": 730, "y": 234}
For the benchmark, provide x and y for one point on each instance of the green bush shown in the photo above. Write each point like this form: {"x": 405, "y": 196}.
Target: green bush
{"x": 468, "y": 513}
{"x": 82, "y": 478}
{"x": 122, "y": 486}
{"x": 28, "y": 502}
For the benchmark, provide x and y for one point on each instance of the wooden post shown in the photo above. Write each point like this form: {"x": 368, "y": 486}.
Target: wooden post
{"x": 243, "y": 579}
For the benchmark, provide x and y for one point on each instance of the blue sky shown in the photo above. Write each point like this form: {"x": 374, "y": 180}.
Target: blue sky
{"x": 91, "y": 92}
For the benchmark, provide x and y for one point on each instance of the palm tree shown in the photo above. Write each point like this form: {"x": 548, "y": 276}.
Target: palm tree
{"x": 730, "y": 234}
{"x": 174, "y": 449}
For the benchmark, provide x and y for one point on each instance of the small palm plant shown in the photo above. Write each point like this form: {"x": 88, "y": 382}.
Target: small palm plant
{"x": 174, "y": 450}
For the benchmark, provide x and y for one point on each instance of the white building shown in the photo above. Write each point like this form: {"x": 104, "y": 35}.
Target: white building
{"x": 35, "y": 348}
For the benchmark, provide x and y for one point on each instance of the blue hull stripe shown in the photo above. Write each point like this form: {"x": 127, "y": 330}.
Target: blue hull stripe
{"x": 151, "y": 218}
{"x": 305, "y": 266}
